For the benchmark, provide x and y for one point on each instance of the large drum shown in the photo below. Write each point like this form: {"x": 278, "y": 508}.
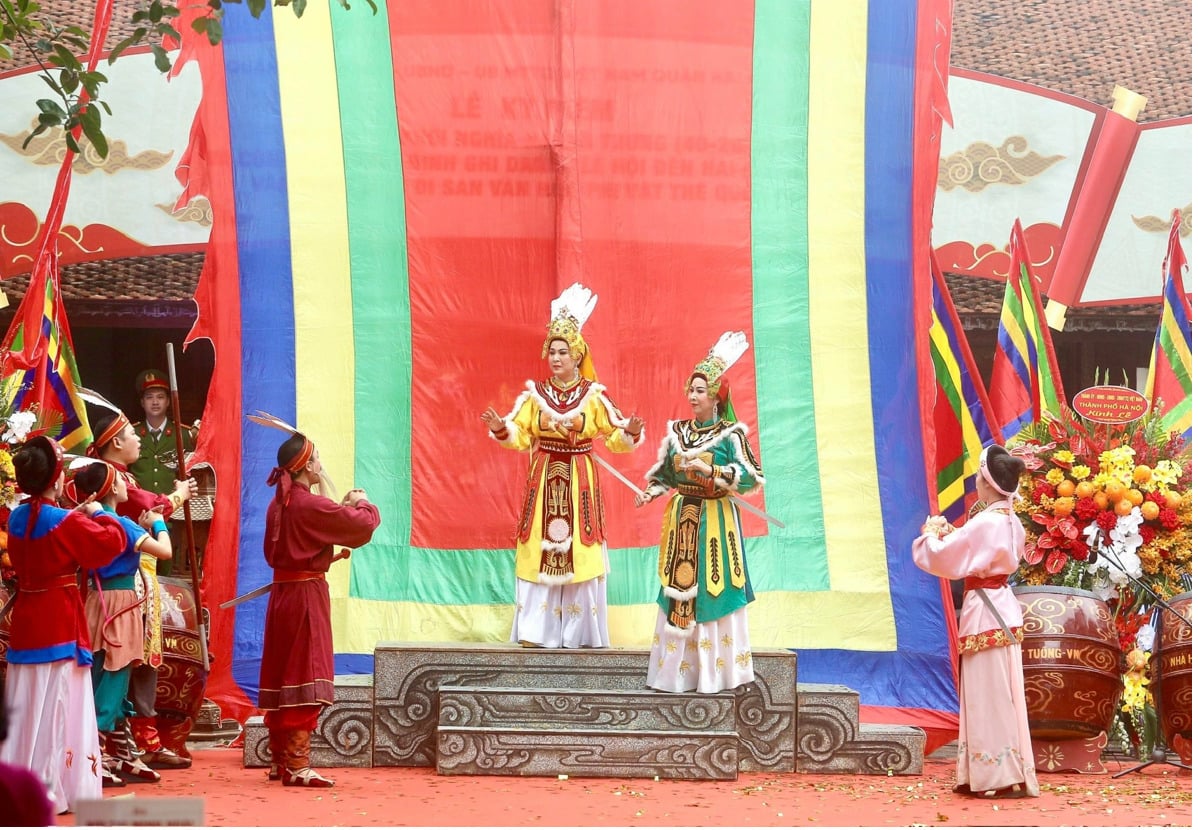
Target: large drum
{"x": 1174, "y": 662}
{"x": 1071, "y": 662}
{"x": 181, "y": 678}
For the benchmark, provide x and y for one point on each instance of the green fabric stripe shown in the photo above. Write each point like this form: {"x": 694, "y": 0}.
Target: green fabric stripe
{"x": 1172, "y": 353}
{"x": 794, "y": 558}
{"x": 945, "y": 378}
{"x": 379, "y": 270}
{"x": 951, "y": 473}
{"x": 633, "y": 578}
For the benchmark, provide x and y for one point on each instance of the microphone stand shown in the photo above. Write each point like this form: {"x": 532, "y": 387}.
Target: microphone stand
{"x": 1159, "y": 754}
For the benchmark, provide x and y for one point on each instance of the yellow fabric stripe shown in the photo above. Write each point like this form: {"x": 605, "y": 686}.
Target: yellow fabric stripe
{"x": 973, "y": 442}
{"x": 778, "y": 619}
{"x": 838, "y": 313}
{"x": 316, "y": 201}
{"x": 1174, "y": 333}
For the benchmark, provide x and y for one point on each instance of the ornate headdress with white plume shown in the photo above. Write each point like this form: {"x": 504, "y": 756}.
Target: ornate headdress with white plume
{"x": 567, "y": 315}
{"x": 726, "y": 351}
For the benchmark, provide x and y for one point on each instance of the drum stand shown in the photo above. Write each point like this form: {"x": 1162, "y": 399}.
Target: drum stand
{"x": 1159, "y": 756}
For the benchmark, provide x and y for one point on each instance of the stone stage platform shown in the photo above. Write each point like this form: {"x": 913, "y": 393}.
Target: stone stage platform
{"x": 484, "y": 709}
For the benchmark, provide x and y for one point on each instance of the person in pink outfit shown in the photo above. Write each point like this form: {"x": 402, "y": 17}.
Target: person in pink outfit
{"x": 994, "y": 745}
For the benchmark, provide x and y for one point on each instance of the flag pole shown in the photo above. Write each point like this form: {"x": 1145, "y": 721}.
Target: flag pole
{"x": 201, "y": 628}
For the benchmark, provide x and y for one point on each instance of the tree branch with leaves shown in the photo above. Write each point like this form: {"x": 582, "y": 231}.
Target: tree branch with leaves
{"x": 76, "y": 105}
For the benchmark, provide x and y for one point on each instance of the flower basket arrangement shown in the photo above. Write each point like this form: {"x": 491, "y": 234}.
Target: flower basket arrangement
{"x": 1108, "y": 509}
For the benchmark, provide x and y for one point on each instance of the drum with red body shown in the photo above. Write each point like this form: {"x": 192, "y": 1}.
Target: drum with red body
{"x": 1174, "y": 665}
{"x": 1071, "y": 662}
{"x": 181, "y": 678}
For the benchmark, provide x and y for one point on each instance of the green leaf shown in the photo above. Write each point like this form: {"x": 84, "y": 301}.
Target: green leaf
{"x": 41, "y": 128}
{"x": 66, "y": 56}
{"x": 155, "y": 11}
{"x": 200, "y": 25}
{"x": 91, "y": 82}
{"x": 161, "y": 59}
{"x": 90, "y": 119}
{"x": 107, "y": 108}
{"x": 71, "y": 142}
{"x": 256, "y": 7}
{"x": 69, "y": 81}
{"x": 120, "y": 47}
{"x": 5, "y": 53}
{"x": 53, "y": 84}
{"x": 215, "y": 32}
{"x": 52, "y": 108}
{"x": 374, "y": 8}
{"x": 298, "y": 7}
{"x": 167, "y": 30}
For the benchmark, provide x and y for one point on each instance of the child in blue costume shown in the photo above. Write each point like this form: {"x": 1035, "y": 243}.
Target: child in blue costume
{"x": 114, "y": 614}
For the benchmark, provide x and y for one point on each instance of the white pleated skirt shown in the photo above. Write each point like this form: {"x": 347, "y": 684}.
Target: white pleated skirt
{"x": 561, "y": 616}
{"x": 52, "y": 729}
{"x": 711, "y": 657}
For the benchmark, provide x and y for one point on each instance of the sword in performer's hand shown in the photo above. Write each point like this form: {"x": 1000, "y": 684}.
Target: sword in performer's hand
{"x": 752, "y": 508}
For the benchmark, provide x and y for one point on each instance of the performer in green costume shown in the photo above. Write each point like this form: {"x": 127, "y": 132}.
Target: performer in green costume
{"x": 702, "y": 637}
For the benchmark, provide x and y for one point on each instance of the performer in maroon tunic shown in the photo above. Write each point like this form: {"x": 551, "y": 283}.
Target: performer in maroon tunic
{"x": 296, "y": 680}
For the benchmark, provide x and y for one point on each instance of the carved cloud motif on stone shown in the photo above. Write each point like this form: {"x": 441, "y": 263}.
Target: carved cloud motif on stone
{"x": 980, "y": 165}
{"x": 50, "y": 148}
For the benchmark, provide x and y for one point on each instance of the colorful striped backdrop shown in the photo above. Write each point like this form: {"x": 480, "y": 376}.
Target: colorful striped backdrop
{"x": 400, "y": 196}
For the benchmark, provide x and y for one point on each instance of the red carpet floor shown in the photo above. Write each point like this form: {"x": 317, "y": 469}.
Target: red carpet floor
{"x": 234, "y": 796}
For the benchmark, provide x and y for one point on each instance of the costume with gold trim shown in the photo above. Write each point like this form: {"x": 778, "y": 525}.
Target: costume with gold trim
{"x": 560, "y": 531}
{"x": 701, "y": 563}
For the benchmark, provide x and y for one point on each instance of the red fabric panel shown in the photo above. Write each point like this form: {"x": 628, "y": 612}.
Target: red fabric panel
{"x": 617, "y": 165}
{"x": 218, "y": 303}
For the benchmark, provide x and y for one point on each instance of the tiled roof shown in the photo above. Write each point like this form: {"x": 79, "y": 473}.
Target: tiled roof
{"x": 979, "y": 300}
{"x": 117, "y": 291}
{"x": 170, "y": 277}
{"x": 1083, "y": 47}
{"x": 76, "y": 13}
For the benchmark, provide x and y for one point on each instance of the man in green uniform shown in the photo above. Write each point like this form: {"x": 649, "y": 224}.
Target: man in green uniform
{"x": 156, "y": 468}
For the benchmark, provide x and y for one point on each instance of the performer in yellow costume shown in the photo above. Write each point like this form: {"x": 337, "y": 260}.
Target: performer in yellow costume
{"x": 561, "y": 552}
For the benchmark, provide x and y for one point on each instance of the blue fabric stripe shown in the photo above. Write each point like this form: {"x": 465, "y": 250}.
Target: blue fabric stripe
{"x": 1177, "y": 309}
{"x": 1015, "y": 424}
{"x": 1006, "y": 341}
{"x": 918, "y": 674}
{"x": 50, "y": 654}
{"x": 267, "y": 308}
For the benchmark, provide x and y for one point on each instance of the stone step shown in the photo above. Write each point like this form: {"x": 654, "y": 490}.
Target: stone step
{"x": 826, "y": 720}
{"x": 878, "y": 749}
{"x": 409, "y": 675}
{"x": 614, "y": 710}
{"x": 344, "y": 734}
{"x": 591, "y": 753}
{"x": 620, "y": 733}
